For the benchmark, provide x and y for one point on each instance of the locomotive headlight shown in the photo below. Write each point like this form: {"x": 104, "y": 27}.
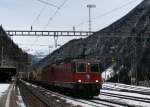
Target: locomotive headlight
{"x": 96, "y": 81}
{"x": 79, "y": 81}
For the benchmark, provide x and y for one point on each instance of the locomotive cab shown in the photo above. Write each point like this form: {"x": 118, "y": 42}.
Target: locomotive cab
{"x": 88, "y": 77}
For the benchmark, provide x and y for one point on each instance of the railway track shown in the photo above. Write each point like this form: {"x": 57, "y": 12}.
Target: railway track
{"x": 32, "y": 98}
{"x": 125, "y": 98}
{"x": 146, "y": 100}
{"x": 95, "y": 103}
{"x": 47, "y": 93}
{"x": 127, "y": 88}
{"x": 43, "y": 95}
{"x": 107, "y": 103}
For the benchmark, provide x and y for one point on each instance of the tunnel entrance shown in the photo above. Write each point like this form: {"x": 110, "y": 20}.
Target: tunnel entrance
{"x": 6, "y": 73}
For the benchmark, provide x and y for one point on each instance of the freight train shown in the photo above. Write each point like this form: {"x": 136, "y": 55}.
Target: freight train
{"x": 82, "y": 77}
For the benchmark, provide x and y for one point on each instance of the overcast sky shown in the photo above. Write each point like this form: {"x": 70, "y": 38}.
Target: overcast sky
{"x": 21, "y": 14}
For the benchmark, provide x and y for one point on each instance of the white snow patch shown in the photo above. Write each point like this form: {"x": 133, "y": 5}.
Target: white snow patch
{"x": 119, "y": 86}
{"x": 53, "y": 95}
{"x": 127, "y": 93}
{"x": 57, "y": 100}
{"x": 115, "y": 88}
{"x": 8, "y": 96}
{"x": 20, "y": 102}
{"x": 75, "y": 103}
{"x": 125, "y": 101}
{"x": 108, "y": 73}
{"x": 3, "y": 88}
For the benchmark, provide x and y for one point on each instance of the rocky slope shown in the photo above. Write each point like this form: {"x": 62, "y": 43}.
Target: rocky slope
{"x": 126, "y": 41}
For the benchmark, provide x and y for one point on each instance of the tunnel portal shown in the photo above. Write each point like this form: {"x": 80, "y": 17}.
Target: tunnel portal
{"x": 6, "y": 73}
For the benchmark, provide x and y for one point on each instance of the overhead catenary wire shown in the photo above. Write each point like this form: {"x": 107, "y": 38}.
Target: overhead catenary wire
{"x": 55, "y": 13}
{"x": 38, "y": 16}
{"x": 107, "y": 13}
{"x": 50, "y": 4}
{"x": 115, "y": 9}
{"x": 43, "y": 8}
{"x": 51, "y": 18}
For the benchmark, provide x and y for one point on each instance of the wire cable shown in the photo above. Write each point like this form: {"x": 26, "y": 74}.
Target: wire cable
{"x": 38, "y": 16}
{"x": 52, "y": 17}
{"x": 46, "y": 2}
{"x": 108, "y": 12}
{"x": 115, "y": 9}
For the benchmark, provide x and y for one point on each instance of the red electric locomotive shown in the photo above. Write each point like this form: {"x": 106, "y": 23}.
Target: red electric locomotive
{"x": 82, "y": 77}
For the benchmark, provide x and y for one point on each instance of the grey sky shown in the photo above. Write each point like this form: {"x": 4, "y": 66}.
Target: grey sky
{"x": 21, "y": 14}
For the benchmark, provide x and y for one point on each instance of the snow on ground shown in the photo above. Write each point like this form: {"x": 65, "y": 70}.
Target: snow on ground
{"x": 20, "y": 102}
{"x": 125, "y": 101}
{"x": 119, "y": 86}
{"x": 76, "y": 103}
{"x": 127, "y": 93}
{"x": 3, "y": 88}
{"x": 116, "y": 88}
{"x": 108, "y": 73}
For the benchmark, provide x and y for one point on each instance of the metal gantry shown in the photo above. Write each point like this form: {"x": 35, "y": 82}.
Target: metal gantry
{"x": 55, "y": 34}
{"x": 47, "y": 33}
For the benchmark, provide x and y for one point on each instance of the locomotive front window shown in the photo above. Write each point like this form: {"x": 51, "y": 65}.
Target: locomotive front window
{"x": 94, "y": 67}
{"x": 81, "y": 67}
{"x": 73, "y": 67}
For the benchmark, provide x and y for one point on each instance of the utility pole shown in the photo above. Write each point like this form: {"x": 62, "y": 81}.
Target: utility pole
{"x": 90, "y": 6}
{"x": 136, "y": 62}
{"x": 56, "y": 39}
{"x": 2, "y": 56}
{"x": 50, "y": 47}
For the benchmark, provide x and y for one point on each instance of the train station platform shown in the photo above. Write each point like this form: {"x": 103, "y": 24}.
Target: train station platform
{"x": 10, "y": 96}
